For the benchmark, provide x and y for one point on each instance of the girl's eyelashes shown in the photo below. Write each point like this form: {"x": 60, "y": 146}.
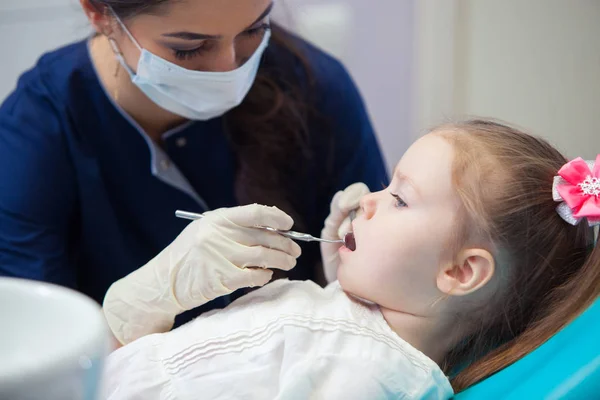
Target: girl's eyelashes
{"x": 399, "y": 202}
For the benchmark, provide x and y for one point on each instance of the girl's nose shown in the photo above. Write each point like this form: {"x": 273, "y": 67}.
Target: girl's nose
{"x": 368, "y": 205}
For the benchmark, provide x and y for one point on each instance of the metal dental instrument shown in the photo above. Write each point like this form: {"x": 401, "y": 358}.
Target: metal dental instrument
{"x": 304, "y": 237}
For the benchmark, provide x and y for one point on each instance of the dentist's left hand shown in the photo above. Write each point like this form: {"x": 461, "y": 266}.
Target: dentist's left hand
{"x": 212, "y": 257}
{"x": 337, "y": 224}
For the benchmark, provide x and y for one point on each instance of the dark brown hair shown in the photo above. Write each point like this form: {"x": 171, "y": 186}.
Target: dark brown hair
{"x": 551, "y": 274}
{"x": 269, "y": 131}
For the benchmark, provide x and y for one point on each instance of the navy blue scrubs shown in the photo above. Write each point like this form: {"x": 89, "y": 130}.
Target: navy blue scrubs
{"x": 86, "y": 197}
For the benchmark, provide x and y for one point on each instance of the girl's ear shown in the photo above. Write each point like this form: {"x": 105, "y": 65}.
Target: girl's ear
{"x": 472, "y": 271}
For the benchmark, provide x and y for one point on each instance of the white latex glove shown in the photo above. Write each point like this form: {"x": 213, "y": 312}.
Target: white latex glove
{"x": 338, "y": 224}
{"x": 212, "y": 257}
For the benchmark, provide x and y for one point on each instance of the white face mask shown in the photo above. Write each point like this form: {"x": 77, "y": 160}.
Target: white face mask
{"x": 196, "y": 95}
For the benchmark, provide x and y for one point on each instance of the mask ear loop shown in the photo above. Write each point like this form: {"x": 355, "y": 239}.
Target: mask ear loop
{"x": 119, "y": 54}
{"x": 126, "y": 30}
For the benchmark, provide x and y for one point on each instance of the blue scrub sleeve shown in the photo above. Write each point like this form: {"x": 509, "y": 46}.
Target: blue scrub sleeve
{"x": 37, "y": 189}
{"x": 357, "y": 156}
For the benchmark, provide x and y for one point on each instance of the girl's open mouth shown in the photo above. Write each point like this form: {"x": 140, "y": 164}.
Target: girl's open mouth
{"x": 350, "y": 241}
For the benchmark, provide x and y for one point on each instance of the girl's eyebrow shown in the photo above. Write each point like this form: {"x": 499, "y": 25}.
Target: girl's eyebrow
{"x": 405, "y": 179}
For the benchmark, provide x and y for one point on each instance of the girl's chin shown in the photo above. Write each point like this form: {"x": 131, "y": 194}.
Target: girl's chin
{"x": 349, "y": 284}
{"x": 361, "y": 299}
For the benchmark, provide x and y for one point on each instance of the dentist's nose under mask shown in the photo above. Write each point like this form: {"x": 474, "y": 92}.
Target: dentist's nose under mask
{"x": 195, "y": 95}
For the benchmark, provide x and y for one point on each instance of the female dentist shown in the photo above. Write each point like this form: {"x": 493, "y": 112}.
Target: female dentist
{"x": 194, "y": 105}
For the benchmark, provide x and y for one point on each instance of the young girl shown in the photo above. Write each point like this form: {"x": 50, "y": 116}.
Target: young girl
{"x": 460, "y": 267}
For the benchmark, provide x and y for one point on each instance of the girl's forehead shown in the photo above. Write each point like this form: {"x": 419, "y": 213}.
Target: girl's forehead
{"x": 429, "y": 158}
{"x": 427, "y": 167}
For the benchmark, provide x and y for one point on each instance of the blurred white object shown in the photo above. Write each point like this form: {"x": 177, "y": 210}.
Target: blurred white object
{"x": 53, "y": 342}
{"x": 326, "y": 25}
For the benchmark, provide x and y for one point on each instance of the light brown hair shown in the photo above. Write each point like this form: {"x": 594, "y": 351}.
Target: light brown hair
{"x": 550, "y": 272}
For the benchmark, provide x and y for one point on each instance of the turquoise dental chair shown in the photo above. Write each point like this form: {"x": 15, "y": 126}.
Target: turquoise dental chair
{"x": 565, "y": 367}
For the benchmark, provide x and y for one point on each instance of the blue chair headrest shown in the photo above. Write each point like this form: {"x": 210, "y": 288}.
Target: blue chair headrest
{"x": 565, "y": 367}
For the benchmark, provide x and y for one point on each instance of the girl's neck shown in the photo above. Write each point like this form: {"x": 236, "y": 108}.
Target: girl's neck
{"x": 153, "y": 119}
{"x": 430, "y": 335}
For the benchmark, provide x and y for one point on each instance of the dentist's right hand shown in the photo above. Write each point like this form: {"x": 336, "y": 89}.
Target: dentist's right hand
{"x": 212, "y": 257}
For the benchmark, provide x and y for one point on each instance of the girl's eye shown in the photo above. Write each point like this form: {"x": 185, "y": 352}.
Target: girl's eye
{"x": 259, "y": 30}
{"x": 399, "y": 202}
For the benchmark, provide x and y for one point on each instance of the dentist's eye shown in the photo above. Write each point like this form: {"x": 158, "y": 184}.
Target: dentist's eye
{"x": 259, "y": 30}
{"x": 399, "y": 202}
{"x": 188, "y": 54}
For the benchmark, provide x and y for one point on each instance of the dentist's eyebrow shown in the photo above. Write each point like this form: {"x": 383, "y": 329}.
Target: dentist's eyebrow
{"x": 262, "y": 16}
{"x": 190, "y": 36}
{"x": 202, "y": 36}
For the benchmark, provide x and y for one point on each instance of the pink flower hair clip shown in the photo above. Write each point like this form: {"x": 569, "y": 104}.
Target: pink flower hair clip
{"x": 577, "y": 187}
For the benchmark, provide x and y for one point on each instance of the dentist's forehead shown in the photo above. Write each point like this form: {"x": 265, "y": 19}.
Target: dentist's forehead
{"x": 209, "y": 17}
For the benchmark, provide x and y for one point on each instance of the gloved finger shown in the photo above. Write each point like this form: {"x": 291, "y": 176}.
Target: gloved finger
{"x": 262, "y": 257}
{"x": 255, "y": 214}
{"x": 333, "y": 220}
{"x": 250, "y": 277}
{"x": 344, "y": 228}
{"x": 335, "y": 201}
{"x": 256, "y": 237}
{"x": 350, "y": 198}
{"x": 258, "y": 277}
{"x": 342, "y": 204}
